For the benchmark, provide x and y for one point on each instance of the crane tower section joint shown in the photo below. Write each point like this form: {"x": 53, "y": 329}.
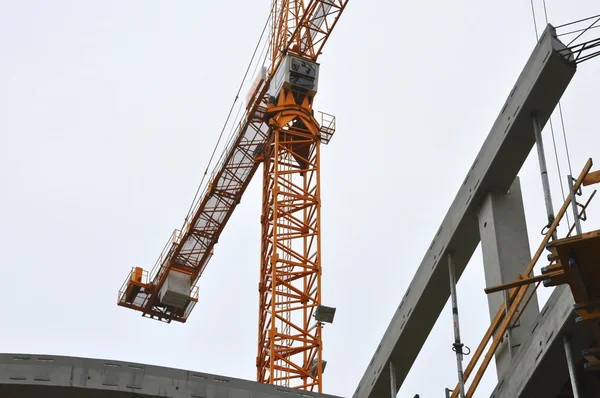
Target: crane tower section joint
{"x": 297, "y": 74}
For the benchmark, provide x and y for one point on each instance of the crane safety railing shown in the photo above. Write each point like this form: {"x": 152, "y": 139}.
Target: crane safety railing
{"x": 173, "y": 241}
{"x": 136, "y": 276}
{"x": 327, "y": 127}
{"x": 139, "y": 278}
{"x": 192, "y": 246}
{"x": 178, "y": 235}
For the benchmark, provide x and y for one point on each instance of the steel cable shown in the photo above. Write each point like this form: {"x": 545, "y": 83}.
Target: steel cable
{"x": 560, "y": 181}
{"x": 228, "y": 117}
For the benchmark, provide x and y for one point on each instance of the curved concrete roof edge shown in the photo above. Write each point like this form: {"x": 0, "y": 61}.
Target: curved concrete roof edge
{"x": 23, "y": 375}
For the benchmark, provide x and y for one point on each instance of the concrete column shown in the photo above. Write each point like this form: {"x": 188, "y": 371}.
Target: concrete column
{"x": 506, "y": 254}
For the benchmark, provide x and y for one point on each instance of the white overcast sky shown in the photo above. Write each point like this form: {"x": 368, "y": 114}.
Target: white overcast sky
{"x": 109, "y": 111}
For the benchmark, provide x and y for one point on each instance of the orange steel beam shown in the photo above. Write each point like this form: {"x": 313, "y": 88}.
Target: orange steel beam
{"x": 526, "y": 303}
{"x": 302, "y": 27}
{"x": 516, "y": 295}
{"x": 522, "y": 282}
{"x": 289, "y": 346}
{"x": 592, "y": 178}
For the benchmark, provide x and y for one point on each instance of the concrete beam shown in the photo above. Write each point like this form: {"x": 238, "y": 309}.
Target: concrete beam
{"x": 48, "y": 376}
{"x": 506, "y": 253}
{"x": 539, "y": 87}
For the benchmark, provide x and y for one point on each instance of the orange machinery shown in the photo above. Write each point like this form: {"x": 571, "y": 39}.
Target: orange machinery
{"x": 280, "y": 131}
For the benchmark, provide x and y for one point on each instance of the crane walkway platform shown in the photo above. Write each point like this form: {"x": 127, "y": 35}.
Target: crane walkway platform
{"x": 49, "y": 376}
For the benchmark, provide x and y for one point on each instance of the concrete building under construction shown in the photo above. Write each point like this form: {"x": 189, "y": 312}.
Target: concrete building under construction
{"x": 553, "y": 351}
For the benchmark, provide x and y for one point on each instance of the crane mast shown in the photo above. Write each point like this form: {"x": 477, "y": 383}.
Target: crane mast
{"x": 280, "y": 131}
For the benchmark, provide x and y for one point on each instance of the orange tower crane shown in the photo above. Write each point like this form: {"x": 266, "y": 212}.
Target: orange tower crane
{"x": 279, "y": 130}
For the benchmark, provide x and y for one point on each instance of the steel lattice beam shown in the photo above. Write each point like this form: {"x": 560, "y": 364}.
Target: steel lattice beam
{"x": 289, "y": 347}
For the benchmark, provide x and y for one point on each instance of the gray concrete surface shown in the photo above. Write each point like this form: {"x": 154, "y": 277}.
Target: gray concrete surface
{"x": 33, "y": 376}
{"x": 540, "y": 367}
{"x": 506, "y": 253}
{"x": 539, "y": 87}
